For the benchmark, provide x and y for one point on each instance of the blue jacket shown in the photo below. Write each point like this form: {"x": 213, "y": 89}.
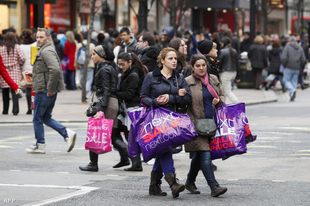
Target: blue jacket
{"x": 155, "y": 84}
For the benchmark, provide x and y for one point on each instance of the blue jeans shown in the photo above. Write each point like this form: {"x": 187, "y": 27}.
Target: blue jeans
{"x": 290, "y": 79}
{"x": 89, "y": 78}
{"x": 164, "y": 163}
{"x": 202, "y": 160}
{"x": 43, "y": 107}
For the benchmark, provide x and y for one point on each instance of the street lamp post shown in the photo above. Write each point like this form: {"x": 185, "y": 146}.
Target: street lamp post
{"x": 142, "y": 15}
{"x": 252, "y": 20}
{"x": 41, "y": 13}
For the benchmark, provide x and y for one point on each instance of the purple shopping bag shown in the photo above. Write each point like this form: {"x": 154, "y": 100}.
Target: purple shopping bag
{"x": 229, "y": 139}
{"x": 249, "y": 137}
{"x": 160, "y": 130}
{"x": 135, "y": 116}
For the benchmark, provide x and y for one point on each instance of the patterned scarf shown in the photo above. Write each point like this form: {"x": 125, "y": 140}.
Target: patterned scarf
{"x": 205, "y": 81}
{"x": 214, "y": 66}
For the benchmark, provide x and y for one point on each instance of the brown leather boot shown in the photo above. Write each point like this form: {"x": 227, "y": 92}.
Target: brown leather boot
{"x": 155, "y": 188}
{"x": 175, "y": 187}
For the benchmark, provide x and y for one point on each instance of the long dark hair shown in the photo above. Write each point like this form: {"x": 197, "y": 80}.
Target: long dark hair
{"x": 9, "y": 41}
{"x": 135, "y": 61}
{"x": 175, "y": 43}
{"x": 27, "y": 36}
{"x": 227, "y": 42}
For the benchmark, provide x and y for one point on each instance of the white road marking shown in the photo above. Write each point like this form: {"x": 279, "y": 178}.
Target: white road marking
{"x": 81, "y": 190}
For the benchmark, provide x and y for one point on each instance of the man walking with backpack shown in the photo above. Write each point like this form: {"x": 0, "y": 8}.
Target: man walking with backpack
{"x": 80, "y": 57}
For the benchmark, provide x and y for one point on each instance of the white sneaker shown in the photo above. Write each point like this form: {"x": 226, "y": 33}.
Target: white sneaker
{"x": 36, "y": 149}
{"x": 70, "y": 139}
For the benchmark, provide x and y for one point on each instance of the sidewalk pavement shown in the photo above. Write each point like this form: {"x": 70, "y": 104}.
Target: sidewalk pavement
{"x": 69, "y": 108}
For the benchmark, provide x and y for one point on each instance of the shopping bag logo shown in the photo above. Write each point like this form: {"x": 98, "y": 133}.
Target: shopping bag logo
{"x": 97, "y": 139}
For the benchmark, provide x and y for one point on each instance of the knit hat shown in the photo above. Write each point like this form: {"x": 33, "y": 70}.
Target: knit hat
{"x": 104, "y": 52}
{"x": 205, "y": 46}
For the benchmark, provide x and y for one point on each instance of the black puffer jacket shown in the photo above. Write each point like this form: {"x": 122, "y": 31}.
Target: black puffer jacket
{"x": 59, "y": 49}
{"x": 105, "y": 83}
{"x": 130, "y": 87}
{"x": 148, "y": 57}
{"x": 155, "y": 84}
{"x": 275, "y": 61}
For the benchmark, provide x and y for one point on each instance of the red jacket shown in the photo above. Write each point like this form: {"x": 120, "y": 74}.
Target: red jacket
{"x": 5, "y": 75}
{"x": 69, "y": 51}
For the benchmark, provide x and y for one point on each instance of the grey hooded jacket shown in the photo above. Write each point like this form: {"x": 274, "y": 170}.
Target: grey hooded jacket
{"x": 293, "y": 56}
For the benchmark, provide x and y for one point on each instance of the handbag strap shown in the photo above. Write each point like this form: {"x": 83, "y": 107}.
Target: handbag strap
{"x": 175, "y": 105}
{"x": 195, "y": 115}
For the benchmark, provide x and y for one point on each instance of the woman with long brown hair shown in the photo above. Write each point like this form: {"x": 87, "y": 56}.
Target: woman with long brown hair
{"x": 28, "y": 42}
{"x": 12, "y": 58}
{"x": 179, "y": 45}
{"x": 160, "y": 89}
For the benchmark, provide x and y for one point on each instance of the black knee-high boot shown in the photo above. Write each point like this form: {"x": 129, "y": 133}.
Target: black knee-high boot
{"x": 121, "y": 147}
{"x": 28, "y": 96}
{"x": 93, "y": 165}
{"x": 15, "y": 98}
{"x": 6, "y": 100}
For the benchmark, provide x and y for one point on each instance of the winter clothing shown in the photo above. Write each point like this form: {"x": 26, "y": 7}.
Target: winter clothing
{"x": 205, "y": 46}
{"x": 106, "y": 83}
{"x": 229, "y": 71}
{"x": 175, "y": 187}
{"x": 201, "y": 146}
{"x": 11, "y": 62}
{"x": 258, "y": 56}
{"x": 155, "y": 188}
{"x": 129, "y": 48}
{"x": 91, "y": 48}
{"x": 69, "y": 51}
{"x": 26, "y": 50}
{"x": 47, "y": 72}
{"x": 148, "y": 57}
{"x": 275, "y": 61}
{"x": 245, "y": 45}
{"x": 155, "y": 84}
{"x": 293, "y": 56}
{"x": 213, "y": 66}
{"x": 59, "y": 48}
{"x": 191, "y": 46}
{"x": 6, "y": 77}
{"x": 227, "y": 63}
{"x": 197, "y": 106}
{"x": 130, "y": 87}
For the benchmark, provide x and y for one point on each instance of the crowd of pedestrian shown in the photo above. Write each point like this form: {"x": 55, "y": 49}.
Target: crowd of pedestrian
{"x": 125, "y": 69}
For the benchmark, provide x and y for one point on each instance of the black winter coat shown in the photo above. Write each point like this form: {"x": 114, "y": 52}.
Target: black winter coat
{"x": 59, "y": 49}
{"x": 275, "y": 61}
{"x": 148, "y": 57}
{"x": 155, "y": 84}
{"x": 130, "y": 87}
{"x": 227, "y": 63}
{"x": 258, "y": 56}
{"x": 105, "y": 83}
